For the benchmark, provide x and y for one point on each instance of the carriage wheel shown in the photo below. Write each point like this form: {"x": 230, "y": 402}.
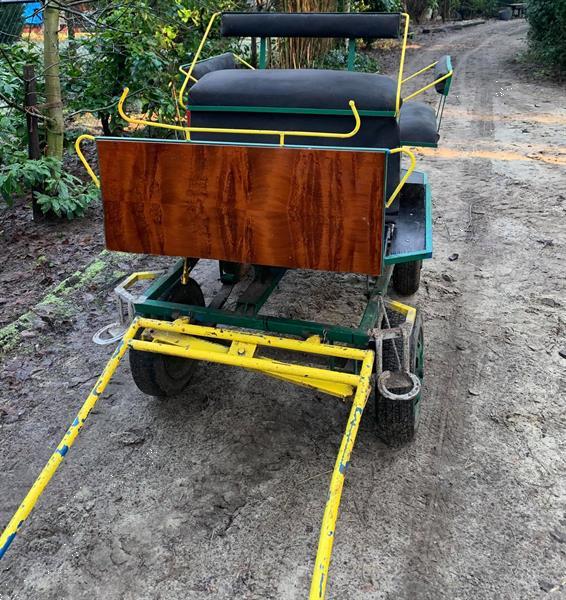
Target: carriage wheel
{"x": 166, "y": 376}
{"x": 231, "y": 272}
{"x": 398, "y": 420}
{"x": 407, "y": 277}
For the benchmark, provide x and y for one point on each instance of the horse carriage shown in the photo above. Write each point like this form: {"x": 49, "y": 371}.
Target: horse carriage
{"x": 279, "y": 169}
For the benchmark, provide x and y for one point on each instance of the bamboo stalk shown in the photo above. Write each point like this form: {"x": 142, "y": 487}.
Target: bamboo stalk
{"x": 300, "y": 53}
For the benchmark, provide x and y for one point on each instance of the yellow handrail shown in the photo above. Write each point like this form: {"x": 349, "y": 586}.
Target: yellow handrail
{"x": 402, "y": 63}
{"x": 280, "y": 133}
{"x": 406, "y": 176}
{"x": 195, "y": 59}
{"x": 83, "y": 159}
{"x": 427, "y": 87}
{"x": 419, "y": 72}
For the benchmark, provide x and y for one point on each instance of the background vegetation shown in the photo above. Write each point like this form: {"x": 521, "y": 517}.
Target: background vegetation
{"x": 86, "y": 59}
{"x": 547, "y": 34}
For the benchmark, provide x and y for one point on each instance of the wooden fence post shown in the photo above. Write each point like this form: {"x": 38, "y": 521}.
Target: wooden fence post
{"x": 34, "y": 151}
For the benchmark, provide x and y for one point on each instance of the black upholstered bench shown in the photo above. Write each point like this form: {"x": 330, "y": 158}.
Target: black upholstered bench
{"x": 296, "y": 88}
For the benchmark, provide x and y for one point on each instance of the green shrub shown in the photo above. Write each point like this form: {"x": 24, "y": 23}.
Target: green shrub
{"x": 547, "y": 34}
{"x": 469, "y": 9}
{"x": 63, "y": 194}
{"x": 337, "y": 59}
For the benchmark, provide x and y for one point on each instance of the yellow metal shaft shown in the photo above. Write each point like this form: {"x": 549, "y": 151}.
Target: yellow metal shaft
{"x": 181, "y": 339}
{"x": 68, "y": 440}
{"x": 328, "y": 529}
{"x": 256, "y": 364}
{"x": 219, "y": 333}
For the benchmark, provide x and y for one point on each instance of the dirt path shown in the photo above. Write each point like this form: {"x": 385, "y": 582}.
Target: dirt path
{"x": 220, "y": 493}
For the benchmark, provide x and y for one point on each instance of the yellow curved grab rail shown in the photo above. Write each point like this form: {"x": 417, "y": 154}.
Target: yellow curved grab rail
{"x": 80, "y": 154}
{"x": 406, "y": 176}
{"x": 195, "y": 59}
{"x": 427, "y": 87}
{"x": 278, "y": 132}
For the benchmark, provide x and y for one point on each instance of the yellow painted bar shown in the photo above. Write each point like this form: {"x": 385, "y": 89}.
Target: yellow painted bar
{"x": 238, "y": 348}
{"x": 328, "y": 529}
{"x": 138, "y": 276}
{"x": 84, "y": 160}
{"x": 405, "y": 177}
{"x": 419, "y": 72}
{"x": 255, "y": 364}
{"x": 195, "y": 59}
{"x": 68, "y": 440}
{"x": 427, "y": 87}
{"x": 339, "y": 390}
{"x": 409, "y": 311}
{"x": 282, "y": 134}
{"x": 181, "y": 326}
{"x": 402, "y": 63}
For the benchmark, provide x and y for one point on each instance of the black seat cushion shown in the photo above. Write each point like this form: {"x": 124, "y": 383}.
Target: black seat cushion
{"x": 417, "y": 124}
{"x": 294, "y": 88}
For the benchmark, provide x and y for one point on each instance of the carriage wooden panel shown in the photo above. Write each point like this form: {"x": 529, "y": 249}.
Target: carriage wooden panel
{"x": 289, "y": 207}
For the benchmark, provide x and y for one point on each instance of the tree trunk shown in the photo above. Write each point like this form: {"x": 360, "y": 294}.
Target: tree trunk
{"x": 55, "y": 126}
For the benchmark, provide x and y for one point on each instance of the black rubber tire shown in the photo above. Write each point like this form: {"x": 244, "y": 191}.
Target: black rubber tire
{"x": 231, "y": 272}
{"x": 407, "y": 277}
{"x": 166, "y": 376}
{"x": 398, "y": 420}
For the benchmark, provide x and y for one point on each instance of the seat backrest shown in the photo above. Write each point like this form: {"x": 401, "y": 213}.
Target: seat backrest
{"x": 317, "y": 25}
{"x": 216, "y": 63}
{"x": 442, "y": 68}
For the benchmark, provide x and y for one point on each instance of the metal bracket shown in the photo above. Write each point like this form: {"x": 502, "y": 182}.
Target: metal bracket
{"x": 402, "y": 331}
{"x": 110, "y": 334}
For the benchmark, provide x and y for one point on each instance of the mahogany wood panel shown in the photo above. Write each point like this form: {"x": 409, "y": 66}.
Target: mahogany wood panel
{"x": 287, "y": 207}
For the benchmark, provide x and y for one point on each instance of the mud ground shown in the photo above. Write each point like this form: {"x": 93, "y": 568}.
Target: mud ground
{"x": 219, "y": 493}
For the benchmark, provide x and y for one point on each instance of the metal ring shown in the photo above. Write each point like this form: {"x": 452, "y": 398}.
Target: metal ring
{"x": 410, "y": 395}
{"x": 98, "y": 337}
